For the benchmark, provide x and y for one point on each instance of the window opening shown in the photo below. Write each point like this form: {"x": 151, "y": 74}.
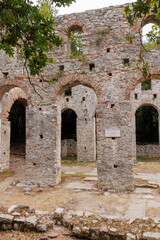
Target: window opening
{"x": 68, "y": 92}
{"x": 91, "y": 66}
{"x": 136, "y": 96}
{"x": 151, "y": 36}
{"x": 146, "y": 85}
{"x": 41, "y": 136}
{"x": 154, "y": 96}
{"x": 126, "y": 62}
{"x": 61, "y": 68}
{"x": 76, "y": 43}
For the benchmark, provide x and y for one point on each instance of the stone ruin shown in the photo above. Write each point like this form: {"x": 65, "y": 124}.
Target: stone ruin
{"x": 105, "y": 93}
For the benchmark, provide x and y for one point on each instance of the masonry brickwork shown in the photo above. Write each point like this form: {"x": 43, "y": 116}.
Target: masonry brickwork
{"x": 104, "y": 33}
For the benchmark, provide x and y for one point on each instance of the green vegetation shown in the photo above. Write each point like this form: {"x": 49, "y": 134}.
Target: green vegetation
{"x": 73, "y": 161}
{"x": 24, "y": 27}
{"x": 130, "y": 38}
{"x": 76, "y": 45}
{"x": 146, "y": 85}
{"x": 139, "y": 10}
{"x": 153, "y": 39}
{"x": 151, "y": 46}
{"x": 47, "y": 8}
{"x": 142, "y": 8}
{"x": 147, "y": 159}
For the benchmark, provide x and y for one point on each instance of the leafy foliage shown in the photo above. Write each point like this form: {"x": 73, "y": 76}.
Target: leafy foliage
{"x": 139, "y": 10}
{"x": 146, "y": 85}
{"x": 25, "y": 29}
{"x": 76, "y": 44}
{"x": 154, "y": 34}
{"x": 151, "y": 46}
{"x": 153, "y": 39}
{"x": 47, "y": 8}
{"x": 142, "y": 8}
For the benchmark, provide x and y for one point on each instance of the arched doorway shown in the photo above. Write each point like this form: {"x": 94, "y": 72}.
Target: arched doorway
{"x": 17, "y": 118}
{"x": 12, "y": 124}
{"x": 69, "y": 134}
{"x": 147, "y": 131}
{"x": 82, "y": 100}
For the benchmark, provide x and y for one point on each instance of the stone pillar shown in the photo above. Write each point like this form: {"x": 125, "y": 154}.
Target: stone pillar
{"x": 86, "y": 142}
{"x": 5, "y": 145}
{"x": 114, "y": 146}
{"x": 42, "y": 145}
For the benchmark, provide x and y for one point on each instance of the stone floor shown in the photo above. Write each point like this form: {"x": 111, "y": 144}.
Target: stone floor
{"x": 78, "y": 191}
{"x": 143, "y": 202}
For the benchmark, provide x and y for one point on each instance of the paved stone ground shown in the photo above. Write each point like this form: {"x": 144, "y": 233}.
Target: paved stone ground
{"x": 78, "y": 191}
{"x": 143, "y": 202}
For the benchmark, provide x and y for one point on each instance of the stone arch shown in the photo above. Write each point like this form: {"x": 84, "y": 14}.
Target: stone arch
{"x": 7, "y": 101}
{"x": 9, "y": 93}
{"x": 150, "y": 19}
{"x": 8, "y": 84}
{"x": 64, "y": 109}
{"x": 76, "y": 25}
{"x": 73, "y": 80}
{"x": 146, "y": 103}
{"x": 154, "y": 74}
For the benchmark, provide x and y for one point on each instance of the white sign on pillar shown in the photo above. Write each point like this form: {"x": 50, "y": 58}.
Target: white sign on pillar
{"x": 112, "y": 132}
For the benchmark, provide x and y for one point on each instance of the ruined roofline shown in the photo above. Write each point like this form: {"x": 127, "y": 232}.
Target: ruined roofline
{"x": 93, "y": 10}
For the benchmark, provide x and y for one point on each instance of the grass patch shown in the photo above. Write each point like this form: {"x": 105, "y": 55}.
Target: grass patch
{"x": 73, "y": 162}
{"x": 70, "y": 158}
{"x": 7, "y": 173}
{"x": 146, "y": 159}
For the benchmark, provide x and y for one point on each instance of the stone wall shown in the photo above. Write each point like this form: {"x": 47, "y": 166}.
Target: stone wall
{"x": 149, "y": 151}
{"x": 83, "y": 101}
{"x": 68, "y": 148}
{"x": 104, "y": 43}
{"x": 140, "y": 98}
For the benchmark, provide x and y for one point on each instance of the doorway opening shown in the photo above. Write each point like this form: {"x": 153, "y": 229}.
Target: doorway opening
{"x": 69, "y": 134}
{"x": 17, "y": 118}
{"x": 147, "y": 132}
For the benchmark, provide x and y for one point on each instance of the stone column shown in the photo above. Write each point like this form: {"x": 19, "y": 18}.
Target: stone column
{"x": 42, "y": 145}
{"x": 114, "y": 146}
{"x": 5, "y": 145}
{"x": 86, "y": 142}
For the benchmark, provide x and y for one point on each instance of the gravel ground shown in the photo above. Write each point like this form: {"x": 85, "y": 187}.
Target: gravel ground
{"x": 16, "y": 235}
